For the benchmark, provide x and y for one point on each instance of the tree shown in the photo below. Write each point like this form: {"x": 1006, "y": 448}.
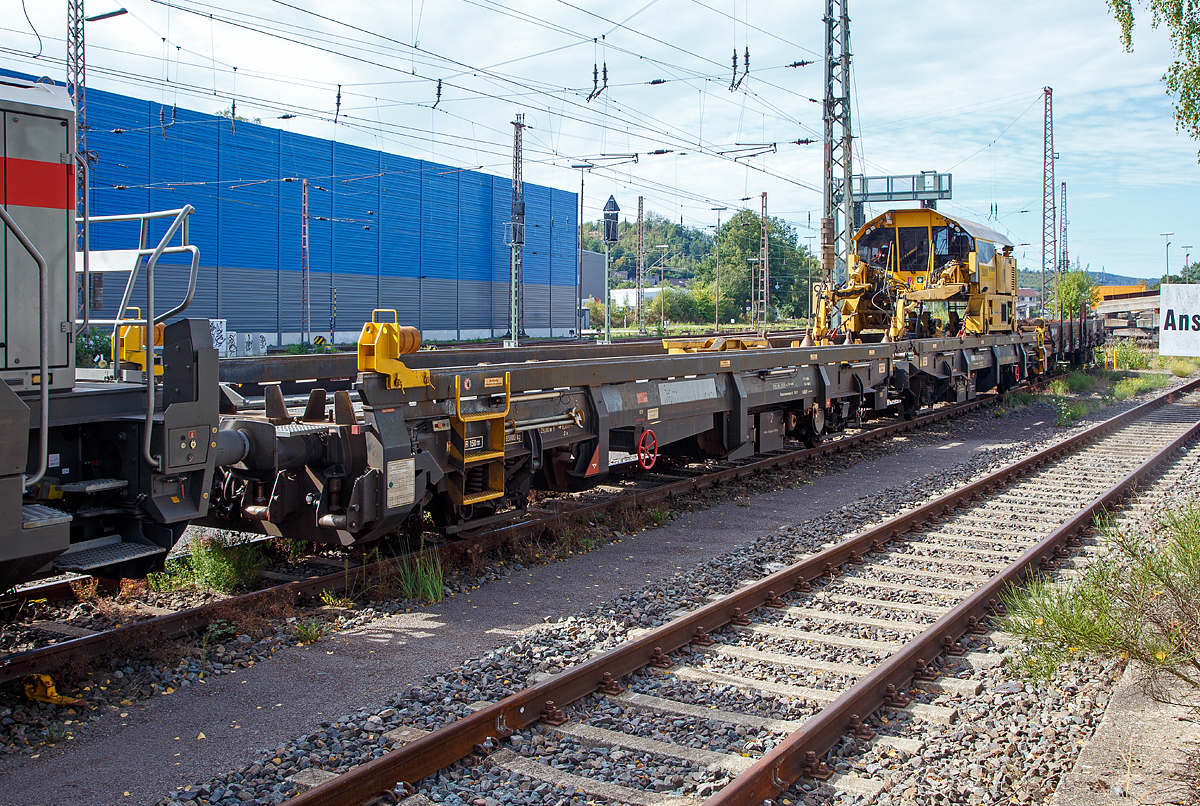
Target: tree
{"x": 1075, "y": 291}
{"x": 1182, "y": 18}
{"x": 789, "y": 265}
{"x": 1189, "y": 274}
{"x": 228, "y": 113}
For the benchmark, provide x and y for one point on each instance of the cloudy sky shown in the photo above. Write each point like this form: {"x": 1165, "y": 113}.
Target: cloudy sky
{"x": 939, "y": 85}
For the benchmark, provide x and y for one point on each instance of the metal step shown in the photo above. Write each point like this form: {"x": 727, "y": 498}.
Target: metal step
{"x": 101, "y": 556}
{"x": 35, "y": 516}
{"x": 94, "y": 486}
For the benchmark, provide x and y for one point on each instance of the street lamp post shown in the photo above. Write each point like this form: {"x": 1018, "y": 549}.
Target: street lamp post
{"x": 582, "y": 166}
{"x": 1168, "y": 251}
{"x": 1187, "y": 255}
{"x": 662, "y": 285}
{"x": 717, "y": 249}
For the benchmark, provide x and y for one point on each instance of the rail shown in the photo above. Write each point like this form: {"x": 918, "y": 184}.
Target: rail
{"x": 43, "y": 346}
{"x": 179, "y": 222}
{"x": 772, "y": 774}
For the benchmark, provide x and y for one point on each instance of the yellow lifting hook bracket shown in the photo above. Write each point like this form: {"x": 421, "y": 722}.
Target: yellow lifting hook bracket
{"x": 380, "y": 346}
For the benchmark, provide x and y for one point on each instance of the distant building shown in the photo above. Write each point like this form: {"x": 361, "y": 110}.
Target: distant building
{"x": 627, "y": 297}
{"x": 1027, "y": 302}
{"x": 1104, "y": 292}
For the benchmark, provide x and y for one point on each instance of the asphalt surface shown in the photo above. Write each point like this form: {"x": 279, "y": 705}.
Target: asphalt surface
{"x": 140, "y": 758}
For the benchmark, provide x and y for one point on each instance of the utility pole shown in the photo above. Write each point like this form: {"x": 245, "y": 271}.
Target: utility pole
{"x": 1049, "y": 244}
{"x": 717, "y": 249}
{"x": 305, "y": 298}
{"x": 837, "y": 225}
{"x": 641, "y": 271}
{"x": 516, "y": 239}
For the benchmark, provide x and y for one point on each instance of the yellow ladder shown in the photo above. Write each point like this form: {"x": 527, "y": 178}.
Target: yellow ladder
{"x": 468, "y": 464}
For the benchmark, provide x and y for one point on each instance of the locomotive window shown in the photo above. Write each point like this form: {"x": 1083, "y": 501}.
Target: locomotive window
{"x": 874, "y": 246}
{"x": 914, "y": 248}
{"x": 985, "y": 251}
{"x": 941, "y": 242}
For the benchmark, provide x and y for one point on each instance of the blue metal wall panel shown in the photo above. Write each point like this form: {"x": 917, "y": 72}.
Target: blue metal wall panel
{"x": 303, "y": 157}
{"x": 184, "y": 158}
{"x": 474, "y": 250}
{"x": 435, "y": 250}
{"x": 439, "y": 248}
{"x": 355, "y": 188}
{"x": 564, "y": 266}
{"x": 501, "y": 253}
{"x": 399, "y": 213}
{"x": 119, "y": 135}
{"x": 536, "y": 258}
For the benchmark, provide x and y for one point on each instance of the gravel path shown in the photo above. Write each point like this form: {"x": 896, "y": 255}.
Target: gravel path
{"x": 423, "y": 668}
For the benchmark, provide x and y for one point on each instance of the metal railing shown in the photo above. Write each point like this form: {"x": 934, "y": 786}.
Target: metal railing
{"x": 179, "y": 225}
{"x": 43, "y": 348}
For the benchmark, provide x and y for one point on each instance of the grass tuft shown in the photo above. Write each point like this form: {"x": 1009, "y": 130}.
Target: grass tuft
{"x": 1131, "y": 387}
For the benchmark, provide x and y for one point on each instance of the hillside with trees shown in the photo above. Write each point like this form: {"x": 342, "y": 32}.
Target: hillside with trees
{"x": 691, "y": 257}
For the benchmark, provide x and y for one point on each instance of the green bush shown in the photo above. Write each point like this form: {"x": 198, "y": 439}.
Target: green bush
{"x": 211, "y": 564}
{"x": 1137, "y": 600}
{"x": 1126, "y": 354}
{"x": 95, "y": 342}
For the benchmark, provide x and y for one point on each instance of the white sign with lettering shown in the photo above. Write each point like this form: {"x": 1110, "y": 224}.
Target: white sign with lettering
{"x": 1179, "y": 319}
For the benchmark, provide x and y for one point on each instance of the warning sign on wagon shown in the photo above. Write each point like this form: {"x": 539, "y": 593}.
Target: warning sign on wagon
{"x": 1179, "y": 320}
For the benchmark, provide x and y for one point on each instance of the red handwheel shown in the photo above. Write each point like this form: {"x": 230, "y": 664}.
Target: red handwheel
{"x": 647, "y": 449}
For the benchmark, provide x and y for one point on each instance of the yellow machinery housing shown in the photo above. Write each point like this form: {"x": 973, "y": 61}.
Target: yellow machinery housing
{"x": 906, "y": 262}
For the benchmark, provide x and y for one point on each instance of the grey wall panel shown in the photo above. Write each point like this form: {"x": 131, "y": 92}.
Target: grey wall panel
{"x": 245, "y": 295}
{"x": 537, "y": 307}
{"x": 439, "y": 311}
{"x": 474, "y": 306}
{"x": 356, "y": 298}
{"x": 401, "y": 294}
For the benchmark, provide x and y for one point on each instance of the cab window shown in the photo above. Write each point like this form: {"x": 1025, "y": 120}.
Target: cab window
{"x": 914, "y": 249}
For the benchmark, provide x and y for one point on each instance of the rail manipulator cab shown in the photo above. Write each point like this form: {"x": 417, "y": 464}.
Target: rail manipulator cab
{"x": 100, "y": 471}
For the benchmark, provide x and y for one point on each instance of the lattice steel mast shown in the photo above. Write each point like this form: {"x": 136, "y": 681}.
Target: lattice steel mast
{"x": 1049, "y": 228}
{"x": 517, "y": 237}
{"x": 837, "y": 225}
{"x": 762, "y": 284}
{"x": 1064, "y": 263}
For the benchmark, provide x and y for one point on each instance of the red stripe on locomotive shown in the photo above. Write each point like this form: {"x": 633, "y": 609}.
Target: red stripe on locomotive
{"x": 32, "y": 183}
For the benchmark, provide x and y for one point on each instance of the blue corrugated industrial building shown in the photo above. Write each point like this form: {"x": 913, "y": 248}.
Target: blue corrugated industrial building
{"x": 385, "y": 231}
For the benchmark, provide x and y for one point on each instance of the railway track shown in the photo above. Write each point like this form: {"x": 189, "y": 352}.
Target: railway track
{"x": 550, "y": 517}
{"x": 878, "y": 622}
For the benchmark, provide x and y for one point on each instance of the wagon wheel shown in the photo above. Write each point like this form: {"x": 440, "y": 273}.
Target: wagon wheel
{"x": 647, "y": 449}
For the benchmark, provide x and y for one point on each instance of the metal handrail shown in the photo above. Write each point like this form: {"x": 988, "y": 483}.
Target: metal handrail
{"x": 43, "y": 345}
{"x": 179, "y": 223}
